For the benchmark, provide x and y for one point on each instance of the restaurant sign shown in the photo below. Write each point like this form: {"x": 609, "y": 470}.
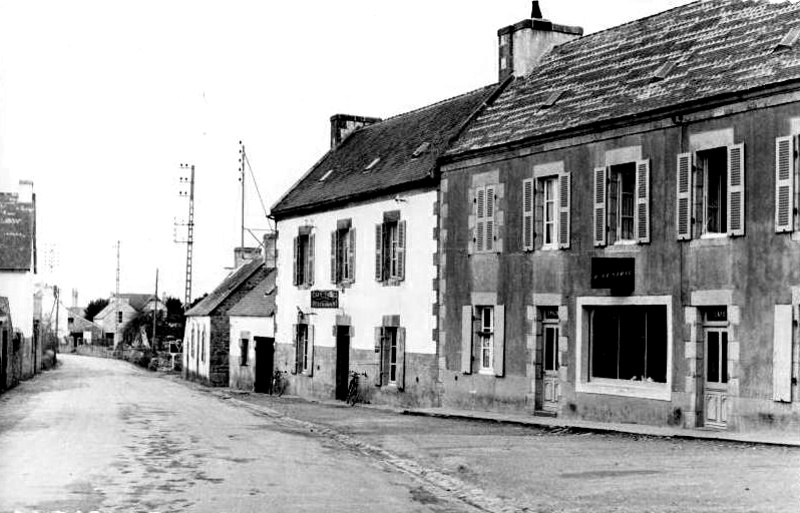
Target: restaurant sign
{"x": 617, "y": 274}
{"x": 324, "y": 299}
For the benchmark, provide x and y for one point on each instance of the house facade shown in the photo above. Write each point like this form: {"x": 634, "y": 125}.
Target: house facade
{"x": 626, "y": 248}
{"x": 120, "y": 311}
{"x": 357, "y": 273}
{"x": 207, "y": 335}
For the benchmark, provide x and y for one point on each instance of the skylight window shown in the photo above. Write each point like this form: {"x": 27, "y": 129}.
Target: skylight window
{"x": 552, "y": 99}
{"x": 422, "y": 148}
{"x": 372, "y": 164}
{"x": 663, "y": 71}
{"x": 326, "y": 175}
{"x": 789, "y": 40}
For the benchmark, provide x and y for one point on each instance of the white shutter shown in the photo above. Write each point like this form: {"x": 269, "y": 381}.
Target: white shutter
{"x": 782, "y": 354}
{"x": 379, "y": 351}
{"x": 378, "y": 252}
{"x": 527, "y": 214}
{"x": 334, "y": 240}
{"x": 683, "y": 210}
{"x": 564, "y": 205}
{"x": 400, "y": 377}
{"x": 600, "y": 190}
{"x": 736, "y": 190}
{"x": 310, "y": 261}
{"x": 351, "y": 255}
{"x": 499, "y": 348}
{"x": 784, "y": 184}
{"x": 480, "y": 219}
{"x": 642, "y": 215}
{"x": 466, "y": 339}
{"x": 401, "y": 250}
{"x": 490, "y": 224}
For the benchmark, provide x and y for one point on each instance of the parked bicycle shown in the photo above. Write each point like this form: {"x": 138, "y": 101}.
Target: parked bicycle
{"x": 353, "y": 390}
{"x": 279, "y": 383}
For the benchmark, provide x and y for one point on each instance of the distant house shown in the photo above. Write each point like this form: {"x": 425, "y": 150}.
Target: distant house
{"x": 81, "y": 330}
{"x": 207, "y": 335}
{"x": 17, "y": 271}
{"x": 120, "y": 311}
{"x": 252, "y": 337}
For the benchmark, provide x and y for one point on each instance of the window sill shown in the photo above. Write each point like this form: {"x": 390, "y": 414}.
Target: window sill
{"x": 640, "y": 389}
{"x": 710, "y": 240}
{"x": 392, "y": 282}
{"x": 304, "y": 286}
{"x": 624, "y": 246}
{"x": 486, "y": 372}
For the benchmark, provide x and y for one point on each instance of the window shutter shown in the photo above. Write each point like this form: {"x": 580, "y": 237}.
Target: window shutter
{"x": 784, "y": 184}
{"x": 401, "y": 358}
{"x": 310, "y": 259}
{"x": 297, "y": 350}
{"x": 499, "y": 340}
{"x": 295, "y": 279}
{"x": 480, "y": 219}
{"x": 351, "y": 255}
{"x": 385, "y": 357}
{"x": 379, "y": 252}
{"x": 642, "y": 216}
{"x": 736, "y": 190}
{"x": 401, "y": 250}
{"x": 527, "y": 214}
{"x": 379, "y": 346}
{"x": 564, "y": 205}
{"x": 600, "y": 190}
{"x": 334, "y": 241}
{"x": 490, "y": 224}
{"x": 310, "y": 371}
{"x": 683, "y": 216}
{"x": 466, "y": 339}
{"x": 782, "y": 354}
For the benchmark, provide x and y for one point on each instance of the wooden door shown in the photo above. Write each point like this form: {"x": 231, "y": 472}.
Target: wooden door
{"x": 265, "y": 363}
{"x": 342, "y": 361}
{"x": 550, "y": 381}
{"x": 715, "y": 395}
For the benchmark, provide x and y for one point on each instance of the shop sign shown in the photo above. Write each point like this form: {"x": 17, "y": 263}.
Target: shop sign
{"x": 617, "y": 274}
{"x": 324, "y": 299}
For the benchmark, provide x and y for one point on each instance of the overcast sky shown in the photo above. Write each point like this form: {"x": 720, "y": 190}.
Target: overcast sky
{"x": 101, "y": 101}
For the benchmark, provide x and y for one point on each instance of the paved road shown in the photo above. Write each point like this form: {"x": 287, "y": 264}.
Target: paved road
{"x": 102, "y": 435}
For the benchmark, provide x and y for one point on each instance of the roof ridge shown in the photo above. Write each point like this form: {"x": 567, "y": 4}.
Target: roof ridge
{"x": 429, "y": 106}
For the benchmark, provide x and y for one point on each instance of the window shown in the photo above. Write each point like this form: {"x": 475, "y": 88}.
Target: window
{"x": 485, "y": 236}
{"x": 550, "y": 346}
{"x": 390, "y": 346}
{"x": 629, "y": 343}
{"x": 622, "y": 203}
{"x": 304, "y": 258}
{"x": 343, "y": 256}
{"x": 244, "y": 348}
{"x": 390, "y": 248}
{"x": 550, "y": 189}
{"x": 546, "y": 212}
{"x": 119, "y": 316}
{"x": 486, "y": 338}
{"x": 304, "y": 347}
{"x": 710, "y": 192}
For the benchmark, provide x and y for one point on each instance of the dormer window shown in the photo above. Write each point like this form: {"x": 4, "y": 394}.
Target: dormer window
{"x": 789, "y": 40}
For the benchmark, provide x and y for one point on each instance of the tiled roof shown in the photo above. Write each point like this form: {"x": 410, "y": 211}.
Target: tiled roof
{"x": 137, "y": 301}
{"x": 718, "y": 47}
{"x": 259, "y": 302}
{"x": 16, "y": 233}
{"x": 393, "y": 141}
{"x": 228, "y": 286}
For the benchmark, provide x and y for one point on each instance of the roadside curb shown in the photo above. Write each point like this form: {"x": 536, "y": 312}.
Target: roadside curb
{"x": 600, "y": 428}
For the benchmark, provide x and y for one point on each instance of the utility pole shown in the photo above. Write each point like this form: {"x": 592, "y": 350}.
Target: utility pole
{"x": 55, "y": 293}
{"x": 155, "y": 313}
{"x": 242, "y": 157}
{"x": 189, "y": 241}
{"x": 116, "y": 303}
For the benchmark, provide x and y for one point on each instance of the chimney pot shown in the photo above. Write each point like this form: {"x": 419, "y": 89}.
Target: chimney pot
{"x": 536, "y": 11}
{"x": 343, "y": 124}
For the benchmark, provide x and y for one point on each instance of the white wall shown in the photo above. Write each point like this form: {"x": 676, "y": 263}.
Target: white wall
{"x": 197, "y": 363}
{"x": 257, "y": 326}
{"x": 366, "y": 300}
{"x": 18, "y": 288}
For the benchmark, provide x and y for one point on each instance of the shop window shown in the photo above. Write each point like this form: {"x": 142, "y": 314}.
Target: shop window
{"x": 629, "y": 343}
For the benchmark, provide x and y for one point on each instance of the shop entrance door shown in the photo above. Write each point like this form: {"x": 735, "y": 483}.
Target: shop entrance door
{"x": 715, "y": 393}
{"x": 550, "y": 381}
{"x": 342, "y": 361}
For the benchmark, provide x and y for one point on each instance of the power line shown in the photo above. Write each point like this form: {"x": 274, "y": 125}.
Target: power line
{"x": 255, "y": 183}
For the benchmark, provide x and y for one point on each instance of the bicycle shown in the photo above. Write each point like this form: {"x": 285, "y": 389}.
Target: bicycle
{"x": 353, "y": 392}
{"x": 278, "y": 383}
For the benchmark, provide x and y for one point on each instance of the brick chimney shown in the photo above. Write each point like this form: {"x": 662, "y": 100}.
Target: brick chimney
{"x": 271, "y": 250}
{"x": 25, "y": 191}
{"x": 343, "y": 124}
{"x": 522, "y": 45}
{"x": 242, "y": 255}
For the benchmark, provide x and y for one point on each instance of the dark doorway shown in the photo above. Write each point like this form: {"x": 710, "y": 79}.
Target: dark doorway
{"x": 342, "y": 361}
{"x": 265, "y": 362}
{"x": 3, "y": 358}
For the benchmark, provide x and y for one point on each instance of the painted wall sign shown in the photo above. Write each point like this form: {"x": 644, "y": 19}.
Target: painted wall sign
{"x": 617, "y": 274}
{"x": 324, "y": 299}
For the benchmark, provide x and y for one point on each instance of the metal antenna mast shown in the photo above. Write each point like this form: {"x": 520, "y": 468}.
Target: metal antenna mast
{"x": 190, "y": 228}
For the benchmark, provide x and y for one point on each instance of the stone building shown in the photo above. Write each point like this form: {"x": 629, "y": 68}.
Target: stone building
{"x": 357, "y": 274}
{"x": 619, "y": 235}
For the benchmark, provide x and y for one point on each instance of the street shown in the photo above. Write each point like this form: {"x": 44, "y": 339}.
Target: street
{"x": 103, "y": 435}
